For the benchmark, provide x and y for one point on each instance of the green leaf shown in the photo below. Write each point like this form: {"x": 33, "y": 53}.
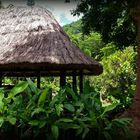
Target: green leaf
{"x": 79, "y": 131}
{"x": 1, "y": 100}
{"x": 72, "y": 93}
{"x": 37, "y": 111}
{"x": 34, "y": 122}
{"x": 69, "y": 125}
{"x": 43, "y": 96}
{"x": 1, "y": 121}
{"x": 122, "y": 122}
{"x": 11, "y": 119}
{"x": 107, "y": 135}
{"x": 32, "y": 86}
{"x": 110, "y": 108}
{"x": 65, "y": 120}
{"x": 55, "y": 131}
{"x": 86, "y": 130}
{"x": 42, "y": 123}
{"x": 20, "y": 87}
{"x": 59, "y": 108}
{"x": 69, "y": 107}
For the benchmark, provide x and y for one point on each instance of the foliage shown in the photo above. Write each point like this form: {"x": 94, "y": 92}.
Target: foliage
{"x": 110, "y": 18}
{"x": 117, "y": 83}
{"x": 73, "y": 28}
{"x": 90, "y": 44}
{"x": 37, "y": 114}
{"x": 119, "y": 76}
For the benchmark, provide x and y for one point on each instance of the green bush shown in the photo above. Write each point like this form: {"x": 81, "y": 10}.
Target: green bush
{"x": 29, "y": 113}
{"x": 117, "y": 83}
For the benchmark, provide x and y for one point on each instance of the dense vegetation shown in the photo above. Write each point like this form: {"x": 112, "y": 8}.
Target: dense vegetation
{"x": 117, "y": 83}
{"x": 30, "y": 113}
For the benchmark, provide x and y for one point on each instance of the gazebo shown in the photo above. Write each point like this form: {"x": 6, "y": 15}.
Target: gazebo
{"x": 33, "y": 44}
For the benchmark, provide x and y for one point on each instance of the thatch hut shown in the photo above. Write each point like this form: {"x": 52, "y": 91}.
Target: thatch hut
{"x": 32, "y": 43}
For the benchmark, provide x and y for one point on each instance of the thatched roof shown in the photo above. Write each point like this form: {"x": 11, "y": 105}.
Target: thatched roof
{"x": 32, "y": 40}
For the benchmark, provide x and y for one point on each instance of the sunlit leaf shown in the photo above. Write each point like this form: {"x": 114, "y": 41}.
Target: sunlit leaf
{"x": 11, "y": 119}
{"x": 20, "y": 87}
{"x": 43, "y": 96}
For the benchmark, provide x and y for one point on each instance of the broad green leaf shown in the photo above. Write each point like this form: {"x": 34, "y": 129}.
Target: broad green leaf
{"x": 34, "y": 122}
{"x": 69, "y": 107}
{"x": 1, "y": 121}
{"x": 66, "y": 125}
{"x": 43, "y": 96}
{"x": 37, "y": 111}
{"x": 65, "y": 120}
{"x": 32, "y": 86}
{"x": 122, "y": 121}
{"x": 11, "y": 119}
{"x": 72, "y": 93}
{"x": 42, "y": 123}
{"x": 20, "y": 87}
{"x": 107, "y": 135}
{"x": 1, "y": 100}
{"x": 110, "y": 108}
{"x": 84, "y": 119}
{"x": 59, "y": 108}
{"x": 86, "y": 130}
{"x": 55, "y": 131}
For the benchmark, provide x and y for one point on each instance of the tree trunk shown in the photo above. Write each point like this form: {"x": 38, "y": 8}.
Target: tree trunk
{"x": 134, "y": 112}
{"x": 136, "y": 16}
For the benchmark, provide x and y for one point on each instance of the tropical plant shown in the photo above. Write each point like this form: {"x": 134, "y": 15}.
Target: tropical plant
{"x": 32, "y": 114}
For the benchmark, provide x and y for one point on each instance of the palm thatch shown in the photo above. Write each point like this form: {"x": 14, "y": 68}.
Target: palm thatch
{"x": 32, "y": 40}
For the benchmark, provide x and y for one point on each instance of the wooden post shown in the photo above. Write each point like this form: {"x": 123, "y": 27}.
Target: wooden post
{"x": 74, "y": 83}
{"x": 81, "y": 82}
{"x": 0, "y": 79}
{"x": 38, "y": 80}
{"x": 62, "y": 79}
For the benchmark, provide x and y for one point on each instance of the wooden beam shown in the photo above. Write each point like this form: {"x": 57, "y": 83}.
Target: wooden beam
{"x": 62, "y": 79}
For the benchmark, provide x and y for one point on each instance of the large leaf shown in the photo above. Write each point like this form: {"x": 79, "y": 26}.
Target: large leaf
{"x": 69, "y": 107}
{"x": 11, "y": 119}
{"x": 1, "y": 100}
{"x": 86, "y": 130}
{"x": 65, "y": 120}
{"x": 32, "y": 86}
{"x": 34, "y": 122}
{"x": 110, "y": 108}
{"x": 20, "y": 87}
{"x": 43, "y": 96}
{"x": 55, "y": 131}
{"x": 72, "y": 93}
{"x": 1, "y": 121}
